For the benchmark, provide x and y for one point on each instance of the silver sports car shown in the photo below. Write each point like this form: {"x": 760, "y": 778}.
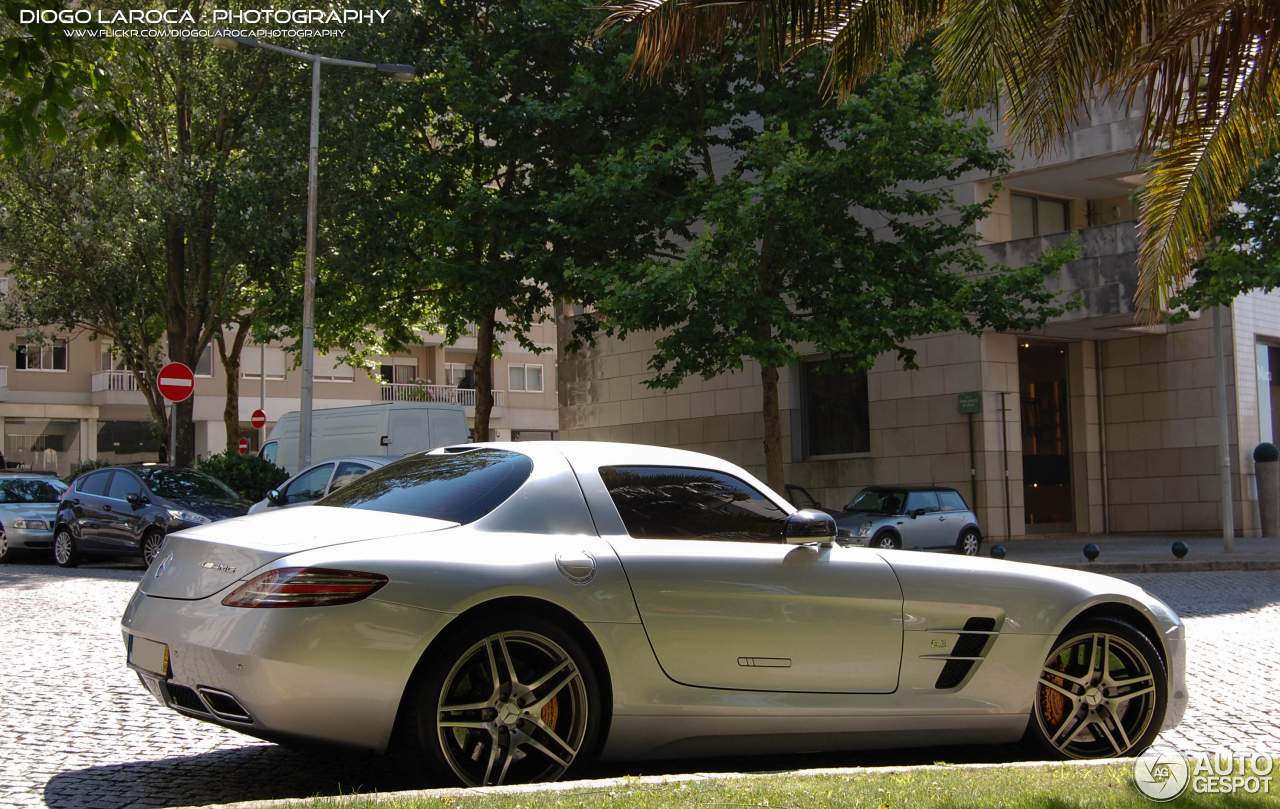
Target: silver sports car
{"x": 500, "y": 613}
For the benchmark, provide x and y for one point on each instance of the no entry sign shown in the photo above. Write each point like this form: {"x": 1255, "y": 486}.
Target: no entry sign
{"x": 244, "y": 446}
{"x": 258, "y": 419}
{"x": 176, "y": 382}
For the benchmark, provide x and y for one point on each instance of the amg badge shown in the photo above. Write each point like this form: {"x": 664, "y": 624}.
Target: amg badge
{"x": 223, "y": 568}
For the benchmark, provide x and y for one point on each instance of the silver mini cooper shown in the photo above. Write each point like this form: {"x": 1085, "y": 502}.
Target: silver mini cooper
{"x": 929, "y": 517}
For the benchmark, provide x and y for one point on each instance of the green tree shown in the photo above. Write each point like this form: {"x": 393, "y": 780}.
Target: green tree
{"x": 1207, "y": 76}
{"x": 791, "y": 224}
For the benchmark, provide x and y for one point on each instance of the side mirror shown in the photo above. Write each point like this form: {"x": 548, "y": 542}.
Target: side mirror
{"x": 808, "y": 526}
{"x": 275, "y": 498}
{"x": 920, "y": 512}
{"x": 134, "y": 499}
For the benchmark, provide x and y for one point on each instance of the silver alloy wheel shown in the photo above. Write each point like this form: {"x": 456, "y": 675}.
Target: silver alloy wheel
{"x": 62, "y": 547}
{"x": 887, "y": 541}
{"x": 151, "y": 544}
{"x": 970, "y": 543}
{"x": 1096, "y": 698}
{"x": 4, "y": 546}
{"x": 512, "y": 710}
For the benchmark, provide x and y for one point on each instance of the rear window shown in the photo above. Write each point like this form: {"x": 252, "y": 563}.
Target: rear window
{"x": 952, "y": 501}
{"x": 459, "y": 487}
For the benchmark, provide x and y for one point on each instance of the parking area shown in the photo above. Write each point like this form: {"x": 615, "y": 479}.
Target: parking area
{"x": 77, "y": 729}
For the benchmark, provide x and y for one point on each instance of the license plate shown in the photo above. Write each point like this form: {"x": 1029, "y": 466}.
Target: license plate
{"x": 149, "y": 655}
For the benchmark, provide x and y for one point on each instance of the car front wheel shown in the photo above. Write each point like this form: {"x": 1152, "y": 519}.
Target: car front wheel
{"x": 65, "y": 552}
{"x": 509, "y": 701}
{"x": 969, "y": 543}
{"x": 888, "y": 540}
{"x": 1101, "y": 693}
{"x": 152, "y": 540}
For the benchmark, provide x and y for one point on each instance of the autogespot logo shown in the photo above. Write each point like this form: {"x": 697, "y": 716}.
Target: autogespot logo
{"x": 1161, "y": 772}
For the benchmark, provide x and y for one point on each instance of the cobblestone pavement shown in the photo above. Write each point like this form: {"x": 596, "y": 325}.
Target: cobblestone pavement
{"x": 78, "y": 730}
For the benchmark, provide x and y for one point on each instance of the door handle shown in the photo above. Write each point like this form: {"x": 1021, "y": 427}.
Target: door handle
{"x": 106, "y": 508}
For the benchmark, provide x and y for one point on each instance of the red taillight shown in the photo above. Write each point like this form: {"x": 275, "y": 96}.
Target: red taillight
{"x": 305, "y": 587}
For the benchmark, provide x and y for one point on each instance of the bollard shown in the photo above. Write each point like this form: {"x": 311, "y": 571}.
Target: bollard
{"x": 1091, "y": 551}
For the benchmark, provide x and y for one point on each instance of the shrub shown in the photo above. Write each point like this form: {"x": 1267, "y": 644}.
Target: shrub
{"x": 249, "y": 475}
{"x": 1266, "y": 452}
{"x": 78, "y": 469}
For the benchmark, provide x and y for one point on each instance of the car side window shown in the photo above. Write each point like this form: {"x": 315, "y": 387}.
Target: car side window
{"x": 952, "y": 501}
{"x": 309, "y": 485}
{"x": 922, "y": 500}
{"x": 94, "y": 483}
{"x": 123, "y": 483}
{"x": 347, "y": 472}
{"x": 664, "y": 502}
{"x": 269, "y": 451}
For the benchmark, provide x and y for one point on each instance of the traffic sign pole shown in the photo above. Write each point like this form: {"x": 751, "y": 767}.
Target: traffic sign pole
{"x": 173, "y": 433}
{"x": 176, "y": 383}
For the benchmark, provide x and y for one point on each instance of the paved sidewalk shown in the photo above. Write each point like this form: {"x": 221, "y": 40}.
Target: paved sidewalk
{"x": 1143, "y": 554}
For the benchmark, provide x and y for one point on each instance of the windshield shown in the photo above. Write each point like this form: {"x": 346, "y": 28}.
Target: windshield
{"x": 878, "y": 501}
{"x": 458, "y": 487}
{"x": 31, "y": 490}
{"x": 183, "y": 484}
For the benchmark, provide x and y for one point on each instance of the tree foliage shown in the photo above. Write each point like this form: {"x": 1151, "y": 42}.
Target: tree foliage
{"x": 249, "y": 475}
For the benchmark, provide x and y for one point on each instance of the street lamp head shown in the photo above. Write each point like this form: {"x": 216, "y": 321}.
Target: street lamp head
{"x": 400, "y": 73}
{"x": 222, "y": 39}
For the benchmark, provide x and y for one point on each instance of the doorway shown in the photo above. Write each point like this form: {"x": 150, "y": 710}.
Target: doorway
{"x": 1046, "y": 446}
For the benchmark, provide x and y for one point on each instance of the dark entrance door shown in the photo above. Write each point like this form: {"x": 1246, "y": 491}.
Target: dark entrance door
{"x": 1046, "y": 449}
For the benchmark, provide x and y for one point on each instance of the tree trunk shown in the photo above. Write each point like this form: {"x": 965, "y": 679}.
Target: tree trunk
{"x": 231, "y": 365}
{"x": 482, "y": 369}
{"x": 772, "y": 430}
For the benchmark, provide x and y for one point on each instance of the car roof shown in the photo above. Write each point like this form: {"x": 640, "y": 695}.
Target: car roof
{"x": 903, "y": 488}
{"x": 378, "y": 459}
{"x": 29, "y": 473}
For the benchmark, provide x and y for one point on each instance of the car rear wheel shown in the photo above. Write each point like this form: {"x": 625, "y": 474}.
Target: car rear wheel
{"x": 1101, "y": 693}
{"x": 969, "y": 543}
{"x": 508, "y": 701}
{"x": 65, "y": 552}
{"x": 887, "y": 540}
{"x": 152, "y": 540}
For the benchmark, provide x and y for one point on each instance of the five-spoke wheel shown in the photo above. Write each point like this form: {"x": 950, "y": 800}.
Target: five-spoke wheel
{"x": 511, "y": 701}
{"x": 4, "y": 548}
{"x": 1101, "y": 692}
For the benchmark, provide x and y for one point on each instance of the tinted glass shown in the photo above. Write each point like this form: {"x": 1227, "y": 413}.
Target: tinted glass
{"x": 952, "y": 501}
{"x": 458, "y": 487}
{"x": 347, "y": 472}
{"x": 269, "y": 451}
{"x": 180, "y": 484}
{"x": 123, "y": 483}
{"x": 31, "y": 490}
{"x": 879, "y": 501}
{"x": 925, "y": 500}
{"x": 94, "y": 483}
{"x": 661, "y": 502}
{"x": 309, "y": 485}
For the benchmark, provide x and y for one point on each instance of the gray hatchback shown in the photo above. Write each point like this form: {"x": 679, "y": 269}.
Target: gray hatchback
{"x": 929, "y": 517}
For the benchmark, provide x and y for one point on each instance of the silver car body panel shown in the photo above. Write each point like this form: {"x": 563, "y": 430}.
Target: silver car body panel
{"x": 337, "y": 674}
{"x": 28, "y": 537}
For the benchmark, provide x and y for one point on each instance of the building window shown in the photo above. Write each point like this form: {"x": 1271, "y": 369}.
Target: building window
{"x": 45, "y": 444}
{"x": 251, "y": 362}
{"x": 1038, "y": 216}
{"x": 399, "y": 370}
{"x": 835, "y": 409}
{"x": 331, "y": 369}
{"x": 459, "y": 374}
{"x": 33, "y": 357}
{"x": 527, "y": 378}
{"x": 204, "y": 365}
{"x": 122, "y": 442}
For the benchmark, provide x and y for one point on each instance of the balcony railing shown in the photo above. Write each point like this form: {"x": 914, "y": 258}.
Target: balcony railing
{"x": 113, "y": 380}
{"x": 451, "y": 394}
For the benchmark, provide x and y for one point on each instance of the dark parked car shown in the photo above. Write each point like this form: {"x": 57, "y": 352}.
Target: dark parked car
{"x": 128, "y": 510}
{"x": 929, "y": 517}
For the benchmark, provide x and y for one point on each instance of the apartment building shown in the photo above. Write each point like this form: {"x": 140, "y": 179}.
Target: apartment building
{"x": 72, "y": 400}
{"x": 1093, "y": 424}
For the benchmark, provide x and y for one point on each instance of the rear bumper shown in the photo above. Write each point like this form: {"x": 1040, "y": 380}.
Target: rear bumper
{"x": 333, "y": 675}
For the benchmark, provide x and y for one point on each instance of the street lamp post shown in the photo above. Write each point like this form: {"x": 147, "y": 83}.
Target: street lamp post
{"x": 401, "y": 73}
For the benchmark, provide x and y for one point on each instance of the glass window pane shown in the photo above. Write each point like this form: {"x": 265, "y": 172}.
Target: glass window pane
{"x": 44, "y": 444}
{"x": 20, "y": 357}
{"x": 347, "y": 472}
{"x": 204, "y": 365}
{"x": 837, "y": 415}
{"x": 925, "y": 500}
{"x": 123, "y": 483}
{"x": 1051, "y": 216}
{"x": 659, "y": 502}
{"x": 269, "y": 451}
{"x": 58, "y": 352}
{"x": 459, "y": 487}
{"x": 309, "y": 485}
{"x": 876, "y": 501}
{"x": 952, "y": 501}
{"x": 180, "y": 484}
{"x": 515, "y": 377}
{"x": 95, "y": 483}
{"x": 31, "y": 490}
{"x": 1023, "y": 213}
{"x": 533, "y": 378}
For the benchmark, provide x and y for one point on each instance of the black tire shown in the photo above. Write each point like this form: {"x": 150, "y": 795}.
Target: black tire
{"x": 152, "y": 541}
{"x": 459, "y": 673}
{"x": 1118, "y": 719}
{"x": 969, "y": 543}
{"x": 65, "y": 551}
{"x": 887, "y": 540}
{"x": 5, "y": 553}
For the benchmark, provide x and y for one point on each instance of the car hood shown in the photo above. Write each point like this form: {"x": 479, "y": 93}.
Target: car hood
{"x": 201, "y": 561}
{"x": 10, "y": 511}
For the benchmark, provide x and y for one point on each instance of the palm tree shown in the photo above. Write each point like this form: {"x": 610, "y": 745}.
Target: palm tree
{"x": 1204, "y": 73}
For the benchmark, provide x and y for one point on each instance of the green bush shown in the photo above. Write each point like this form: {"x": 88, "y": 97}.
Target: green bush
{"x": 1266, "y": 452}
{"x": 78, "y": 469}
{"x": 250, "y": 475}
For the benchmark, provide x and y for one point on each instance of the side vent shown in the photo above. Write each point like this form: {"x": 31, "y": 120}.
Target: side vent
{"x": 967, "y": 651}
{"x": 180, "y": 696}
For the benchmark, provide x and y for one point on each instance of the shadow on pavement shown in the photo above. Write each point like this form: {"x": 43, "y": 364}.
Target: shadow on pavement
{"x": 30, "y": 570}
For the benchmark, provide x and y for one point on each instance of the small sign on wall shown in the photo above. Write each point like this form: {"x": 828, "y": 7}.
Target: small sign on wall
{"x": 970, "y": 402}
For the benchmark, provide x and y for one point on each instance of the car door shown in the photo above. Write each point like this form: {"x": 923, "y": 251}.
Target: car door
{"x": 728, "y": 604}
{"x": 955, "y": 516}
{"x": 922, "y": 529}
{"x": 307, "y": 487}
{"x": 86, "y": 502}
{"x": 121, "y": 522}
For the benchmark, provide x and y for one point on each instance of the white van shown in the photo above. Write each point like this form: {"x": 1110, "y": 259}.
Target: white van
{"x": 393, "y": 428}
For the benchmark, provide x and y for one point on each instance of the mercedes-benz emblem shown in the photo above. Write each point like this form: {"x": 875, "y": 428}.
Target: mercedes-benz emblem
{"x": 164, "y": 566}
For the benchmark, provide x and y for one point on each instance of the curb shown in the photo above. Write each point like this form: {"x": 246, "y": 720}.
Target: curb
{"x": 1112, "y": 568}
{"x": 631, "y": 782}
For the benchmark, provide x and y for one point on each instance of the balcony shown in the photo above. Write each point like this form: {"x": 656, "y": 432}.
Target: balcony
{"x": 451, "y": 394}
{"x": 115, "y": 388}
